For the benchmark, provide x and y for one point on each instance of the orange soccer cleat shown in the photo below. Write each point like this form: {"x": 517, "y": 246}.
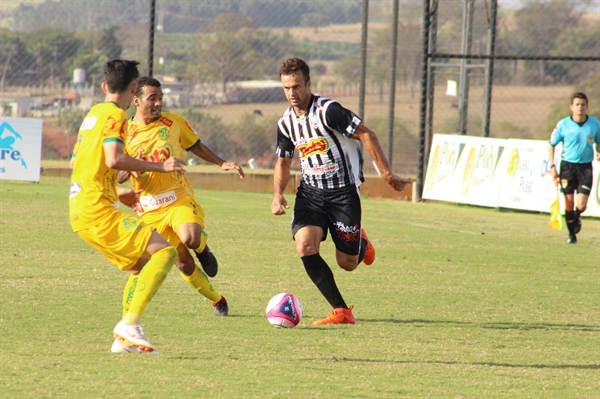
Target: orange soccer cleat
{"x": 369, "y": 250}
{"x": 337, "y": 316}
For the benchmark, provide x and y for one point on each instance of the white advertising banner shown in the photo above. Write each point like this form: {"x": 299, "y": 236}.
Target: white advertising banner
{"x": 527, "y": 183}
{"x": 20, "y": 148}
{"x": 465, "y": 169}
{"x": 440, "y": 181}
{"x": 506, "y": 173}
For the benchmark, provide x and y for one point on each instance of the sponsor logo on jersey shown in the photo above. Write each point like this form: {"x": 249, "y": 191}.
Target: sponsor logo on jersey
{"x": 318, "y": 146}
{"x": 159, "y": 154}
{"x": 88, "y": 123}
{"x": 166, "y": 121}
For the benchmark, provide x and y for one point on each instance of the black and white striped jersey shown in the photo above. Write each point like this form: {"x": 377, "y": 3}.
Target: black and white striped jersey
{"x": 330, "y": 158}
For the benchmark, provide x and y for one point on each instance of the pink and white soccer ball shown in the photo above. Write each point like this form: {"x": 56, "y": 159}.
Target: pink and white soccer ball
{"x": 284, "y": 310}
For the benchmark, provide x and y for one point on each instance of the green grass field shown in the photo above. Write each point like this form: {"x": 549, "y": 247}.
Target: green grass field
{"x": 462, "y": 302}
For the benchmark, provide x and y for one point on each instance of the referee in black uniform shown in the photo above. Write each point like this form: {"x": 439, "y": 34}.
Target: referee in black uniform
{"x": 327, "y": 137}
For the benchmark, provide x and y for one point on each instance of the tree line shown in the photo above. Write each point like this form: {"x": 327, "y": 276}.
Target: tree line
{"x": 234, "y": 46}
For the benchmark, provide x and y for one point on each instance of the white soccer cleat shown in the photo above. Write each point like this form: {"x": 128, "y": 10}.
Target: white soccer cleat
{"x": 133, "y": 334}
{"x": 119, "y": 346}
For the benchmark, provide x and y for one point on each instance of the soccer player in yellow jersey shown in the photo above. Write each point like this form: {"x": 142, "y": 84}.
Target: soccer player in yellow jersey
{"x": 126, "y": 241}
{"x": 168, "y": 199}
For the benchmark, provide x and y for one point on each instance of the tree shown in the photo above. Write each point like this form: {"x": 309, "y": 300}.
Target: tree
{"x": 10, "y": 46}
{"x": 576, "y": 41}
{"x": 534, "y": 35}
{"x": 54, "y": 49}
{"x": 221, "y": 54}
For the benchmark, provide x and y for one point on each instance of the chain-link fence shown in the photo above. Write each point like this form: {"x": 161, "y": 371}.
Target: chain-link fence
{"x": 218, "y": 62}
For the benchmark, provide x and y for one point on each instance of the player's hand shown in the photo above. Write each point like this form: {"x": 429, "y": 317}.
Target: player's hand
{"x": 129, "y": 197}
{"x": 232, "y": 165}
{"x": 553, "y": 173}
{"x": 398, "y": 183}
{"x": 279, "y": 205}
{"x": 173, "y": 164}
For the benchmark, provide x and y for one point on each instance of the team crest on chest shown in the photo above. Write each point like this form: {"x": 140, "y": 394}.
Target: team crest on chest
{"x": 164, "y": 133}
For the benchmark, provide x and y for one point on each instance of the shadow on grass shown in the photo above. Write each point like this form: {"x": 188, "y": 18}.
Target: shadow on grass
{"x": 449, "y": 363}
{"x": 492, "y": 325}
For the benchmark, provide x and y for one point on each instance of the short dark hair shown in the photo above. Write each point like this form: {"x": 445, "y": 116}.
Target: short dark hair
{"x": 293, "y": 65}
{"x": 119, "y": 74}
{"x": 579, "y": 95}
{"x": 145, "y": 81}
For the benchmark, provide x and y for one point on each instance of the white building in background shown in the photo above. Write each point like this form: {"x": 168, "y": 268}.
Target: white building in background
{"x": 15, "y": 105}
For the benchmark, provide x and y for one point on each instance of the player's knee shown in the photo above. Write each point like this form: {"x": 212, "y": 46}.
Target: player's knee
{"x": 191, "y": 242}
{"x": 305, "y": 249}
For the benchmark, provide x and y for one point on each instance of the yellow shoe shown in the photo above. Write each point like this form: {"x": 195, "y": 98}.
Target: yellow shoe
{"x": 337, "y": 316}
{"x": 369, "y": 250}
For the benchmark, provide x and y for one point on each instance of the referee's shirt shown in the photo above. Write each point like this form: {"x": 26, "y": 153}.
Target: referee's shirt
{"x": 329, "y": 157}
{"x": 578, "y": 139}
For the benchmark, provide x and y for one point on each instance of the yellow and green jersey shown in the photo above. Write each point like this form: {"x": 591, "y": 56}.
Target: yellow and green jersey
{"x": 158, "y": 141}
{"x": 93, "y": 193}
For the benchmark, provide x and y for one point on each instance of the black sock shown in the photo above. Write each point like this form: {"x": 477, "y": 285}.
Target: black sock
{"x": 571, "y": 221}
{"x": 321, "y": 275}
{"x": 363, "y": 248}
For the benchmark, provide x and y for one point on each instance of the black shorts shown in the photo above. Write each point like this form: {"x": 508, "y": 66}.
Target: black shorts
{"x": 337, "y": 211}
{"x": 578, "y": 176}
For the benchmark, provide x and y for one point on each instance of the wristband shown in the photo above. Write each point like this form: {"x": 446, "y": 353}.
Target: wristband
{"x": 552, "y": 166}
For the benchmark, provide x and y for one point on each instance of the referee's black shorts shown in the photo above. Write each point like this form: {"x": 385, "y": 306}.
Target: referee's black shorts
{"x": 337, "y": 211}
{"x": 578, "y": 176}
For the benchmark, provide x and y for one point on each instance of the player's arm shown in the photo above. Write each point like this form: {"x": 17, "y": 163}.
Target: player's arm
{"x": 202, "y": 151}
{"x": 280, "y": 182}
{"x": 373, "y": 147}
{"x": 553, "y": 169}
{"x": 117, "y": 159}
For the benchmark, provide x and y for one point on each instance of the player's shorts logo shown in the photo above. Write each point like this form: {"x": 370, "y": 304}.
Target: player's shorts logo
{"x": 347, "y": 233}
{"x": 8, "y": 137}
{"x": 129, "y": 223}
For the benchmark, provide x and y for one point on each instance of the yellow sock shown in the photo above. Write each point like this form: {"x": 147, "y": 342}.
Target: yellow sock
{"x": 200, "y": 282}
{"x": 128, "y": 292}
{"x": 149, "y": 281}
{"x": 203, "y": 239}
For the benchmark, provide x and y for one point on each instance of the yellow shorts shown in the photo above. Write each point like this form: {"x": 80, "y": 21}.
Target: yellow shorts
{"x": 120, "y": 237}
{"x": 168, "y": 219}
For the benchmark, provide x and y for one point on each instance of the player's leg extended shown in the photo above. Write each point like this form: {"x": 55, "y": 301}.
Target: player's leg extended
{"x": 152, "y": 274}
{"x": 199, "y": 281}
{"x": 194, "y": 276}
{"x": 128, "y": 292}
{"x": 308, "y": 241}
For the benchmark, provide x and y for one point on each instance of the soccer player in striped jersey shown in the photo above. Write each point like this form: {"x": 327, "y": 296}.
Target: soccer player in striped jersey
{"x": 126, "y": 241}
{"x": 327, "y": 137}
{"x": 168, "y": 199}
{"x": 578, "y": 134}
